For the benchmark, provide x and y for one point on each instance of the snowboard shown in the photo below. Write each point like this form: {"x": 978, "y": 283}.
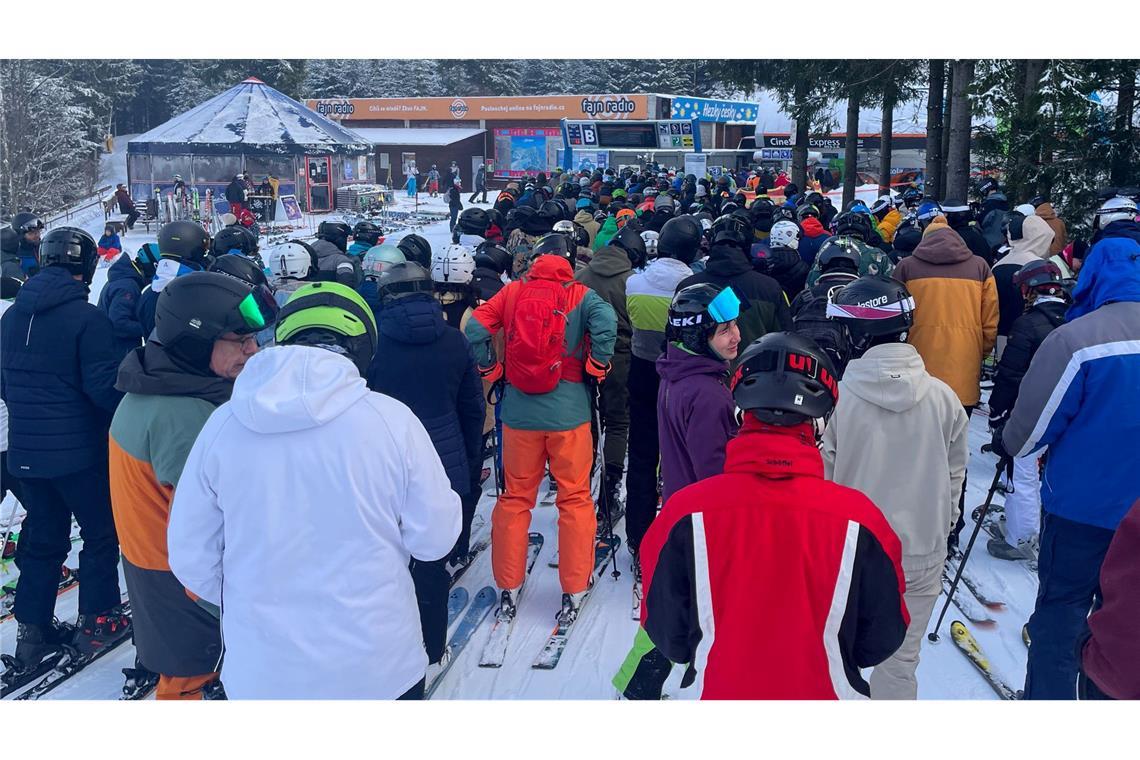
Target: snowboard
{"x": 479, "y": 609}
{"x": 968, "y": 646}
{"x": 551, "y": 652}
{"x": 495, "y": 650}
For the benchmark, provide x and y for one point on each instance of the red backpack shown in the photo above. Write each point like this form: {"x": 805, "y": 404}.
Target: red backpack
{"x": 536, "y": 338}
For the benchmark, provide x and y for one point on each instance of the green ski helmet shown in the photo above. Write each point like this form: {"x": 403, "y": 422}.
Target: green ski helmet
{"x": 332, "y": 316}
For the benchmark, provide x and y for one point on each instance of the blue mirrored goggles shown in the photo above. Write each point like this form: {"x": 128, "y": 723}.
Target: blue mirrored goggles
{"x": 725, "y": 307}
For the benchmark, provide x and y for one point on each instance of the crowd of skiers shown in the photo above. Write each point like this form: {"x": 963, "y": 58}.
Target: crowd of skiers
{"x": 762, "y": 374}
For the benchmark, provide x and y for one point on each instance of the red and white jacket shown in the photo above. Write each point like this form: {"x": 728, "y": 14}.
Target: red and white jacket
{"x": 772, "y": 582}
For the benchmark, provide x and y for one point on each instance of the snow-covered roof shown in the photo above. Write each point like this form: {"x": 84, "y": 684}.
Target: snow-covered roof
{"x": 250, "y": 117}
{"x": 416, "y": 136}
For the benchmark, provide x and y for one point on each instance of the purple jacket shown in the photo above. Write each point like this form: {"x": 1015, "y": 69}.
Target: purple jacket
{"x": 696, "y": 417}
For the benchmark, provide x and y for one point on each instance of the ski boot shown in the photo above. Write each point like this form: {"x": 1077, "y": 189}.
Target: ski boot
{"x": 435, "y": 669}
{"x": 508, "y": 604}
{"x": 101, "y": 630}
{"x": 214, "y": 690}
{"x": 139, "y": 682}
{"x": 571, "y": 605}
{"x": 1001, "y": 549}
{"x": 35, "y": 643}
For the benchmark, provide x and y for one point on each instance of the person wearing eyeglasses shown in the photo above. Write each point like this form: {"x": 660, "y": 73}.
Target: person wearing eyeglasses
{"x": 206, "y": 326}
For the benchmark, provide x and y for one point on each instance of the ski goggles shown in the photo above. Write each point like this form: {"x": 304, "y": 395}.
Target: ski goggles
{"x": 258, "y": 310}
{"x": 725, "y": 307}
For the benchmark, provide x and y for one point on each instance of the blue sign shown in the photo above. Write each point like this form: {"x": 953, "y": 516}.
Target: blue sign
{"x": 776, "y": 154}
{"x": 703, "y": 109}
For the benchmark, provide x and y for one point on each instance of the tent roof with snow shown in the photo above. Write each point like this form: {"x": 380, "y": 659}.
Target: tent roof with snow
{"x": 249, "y": 118}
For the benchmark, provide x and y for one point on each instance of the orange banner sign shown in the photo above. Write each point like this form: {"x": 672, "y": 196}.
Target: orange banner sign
{"x": 536, "y": 108}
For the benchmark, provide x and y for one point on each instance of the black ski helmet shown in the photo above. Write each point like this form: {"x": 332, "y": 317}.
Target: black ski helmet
{"x": 907, "y": 236}
{"x": 838, "y": 253}
{"x": 417, "y": 249}
{"x": 732, "y": 230}
{"x": 25, "y": 222}
{"x": 694, "y": 314}
{"x": 196, "y": 309}
{"x": 785, "y": 379}
{"x": 234, "y": 238}
{"x": 184, "y": 241}
{"x": 872, "y": 306}
{"x": 493, "y": 256}
{"x": 1041, "y": 275}
{"x": 236, "y": 265}
{"x": 806, "y": 210}
{"x": 680, "y": 239}
{"x": 473, "y": 221}
{"x": 551, "y": 212}
{"x": 367, "y": 232}
{"x": 554, "y": 244}
{"x": 70, "y": 248}
{"x": 403, "y": 279}
{"x": 335, "y": 232}
{"x": 629, "y": 240}
{"x": 853, "y": 224}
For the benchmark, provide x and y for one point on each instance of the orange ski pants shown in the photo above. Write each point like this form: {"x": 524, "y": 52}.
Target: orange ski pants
{"x": 525, "y": 454}
{"x": 182, "y": 687}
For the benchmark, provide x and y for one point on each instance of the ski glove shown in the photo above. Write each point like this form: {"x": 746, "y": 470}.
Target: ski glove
{"x": 491, "y": 374}
{"x": 996, "y": 444}
{"x": 596, "y": 369}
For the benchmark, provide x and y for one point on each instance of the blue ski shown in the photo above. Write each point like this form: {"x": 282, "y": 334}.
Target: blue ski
{"x": 480, "y": 607}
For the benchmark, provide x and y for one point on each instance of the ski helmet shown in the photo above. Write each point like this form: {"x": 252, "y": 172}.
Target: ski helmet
{"x": 784, "y": 234}
{"x": 838, "y": 253}
{"x": 236, "y": 238}
{"x": 334, "y": 232}
{"x": 294, "y": 260}
{"x": 911, "y": 197}
{"x": 1118, "y": 209}
{"x": 957, "y": 214}
{"x": 732, "y": 230}
{"x": 695, "y": 313}
{"x": 881, "y": 206}
{"x": 680, "y": 239}
{"x": 198, "y": 308}
{"x": 1042, "y": 276}
{"x": 852, "y": 224}
{"x": 785, "y": 379}
{"x": 146, "y": 260}
{"x": 650, "y": 239}
{"x": 927, "y": 212}
{"x": 551, "y": 212}
{"x": 367, "y": 232}
{"x": 332, "y": 316}
{"x": 907, "y": 236}
{"x": 629, "y": 240}
{"x": 416, "y": 249}
{"x": 493, "y": 256}
{"x": 473, "y": 221}
{"x": 70, "y": 248}
{"x": 184, "y": 241}
{"x": 554, "y": 244}
{"x": 379, "y": 258}
{"x": 454, "y": 265}
{"x": 987, "y": 186}
{"x": 236, "y": 265}
{"x": 403, "y": 279}
{"x": 665, "y": 205}
{"x": 806, "y": 210}
{"x": 871, "y": 307}
{"x": 25, "y": 222}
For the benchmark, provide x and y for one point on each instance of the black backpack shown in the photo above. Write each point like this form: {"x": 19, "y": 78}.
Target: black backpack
{"x": 809, "y": 318}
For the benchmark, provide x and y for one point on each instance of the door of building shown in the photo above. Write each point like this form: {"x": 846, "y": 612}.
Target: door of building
{"x": 318, "y": 170}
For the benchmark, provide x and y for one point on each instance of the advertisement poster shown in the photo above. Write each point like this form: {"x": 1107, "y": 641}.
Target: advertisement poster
{"x": 720, "y": 111}
{"x": 584, "y": 160}
{"x": 523, "y": 150}
{"x": 287, "y": 207}
{"x": 696, "y": 164}
{"x": 538, "y": 107}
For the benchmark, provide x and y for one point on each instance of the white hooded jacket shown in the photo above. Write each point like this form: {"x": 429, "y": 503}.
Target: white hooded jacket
{"x": 899, "y": 435}
{"x": 301, "y": 503}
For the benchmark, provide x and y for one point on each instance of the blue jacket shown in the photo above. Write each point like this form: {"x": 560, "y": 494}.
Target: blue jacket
{"x": 430, "y": 367}
{"x": 358, "y": 248}
{"x": 57, "y": 376}
{"x": 1079, "y": 395}
{"x": 119, "y": 300}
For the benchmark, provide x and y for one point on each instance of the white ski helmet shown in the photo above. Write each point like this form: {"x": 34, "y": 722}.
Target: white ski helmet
{"x": 1120, "y": 208}
{"x": 292, "y": 260}
{"x": 784, "y": 234}
{"x": 379, "y": 258}
{"x": 882, "y": 204}
{"x": 455, "y": 264}
{"x": 650, "y": 237}
{"x": 565, "y": 226}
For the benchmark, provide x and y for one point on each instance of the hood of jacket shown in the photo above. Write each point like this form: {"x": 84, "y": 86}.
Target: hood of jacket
{"x": 727, "y": 261}
{"x": 50, "y": 288}
{"x": 413, "y": 319}
{"x": 1111, "y": 271}
{"x": 890, "y": 376}
{"x": 666, "y": 274}
{"x": 124, "y": 269}
{"x": 608, "y": 229}
{"x": 610, "y": 261}
{"x": 585, "y": 218}
{"x": 149, "y": 370}
{"x": 677, "y": 364}
{"x": 772, "y": 451}
{"x": 1036, "y": 237}
{"x": 942, "y": 246}
{"x": 284, "y": 389}
{"x": 549, "y": 267}
{"x": 812, "y": 227}
{"x": 1046, "y": 212}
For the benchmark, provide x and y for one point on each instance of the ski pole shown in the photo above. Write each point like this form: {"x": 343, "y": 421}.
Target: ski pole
{"x": 933, "y": 635}
{"x": 600, "y": 466}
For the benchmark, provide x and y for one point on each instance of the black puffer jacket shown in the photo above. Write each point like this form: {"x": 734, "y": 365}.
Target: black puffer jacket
{"x": 785, "y": 266}
{"x": 763, "y": 306}
{"x": 1025, "y": 337}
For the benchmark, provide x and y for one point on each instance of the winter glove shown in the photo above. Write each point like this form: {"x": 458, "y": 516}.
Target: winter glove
{"x": 596, "y": 369}
{"x": 491, "y": 374}
{"x": 996, "y": 445}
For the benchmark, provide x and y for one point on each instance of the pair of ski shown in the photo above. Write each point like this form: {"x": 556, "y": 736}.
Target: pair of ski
{"x": 57, "y": 669}
{"x": 968, "y": 646}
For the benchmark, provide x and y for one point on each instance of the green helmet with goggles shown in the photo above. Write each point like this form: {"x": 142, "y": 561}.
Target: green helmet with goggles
{"x": 695, "y": 313}
{"x": 332, "y": 316}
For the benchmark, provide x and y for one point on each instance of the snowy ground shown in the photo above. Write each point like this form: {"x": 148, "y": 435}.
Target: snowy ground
{"x": 605, "y": 631}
